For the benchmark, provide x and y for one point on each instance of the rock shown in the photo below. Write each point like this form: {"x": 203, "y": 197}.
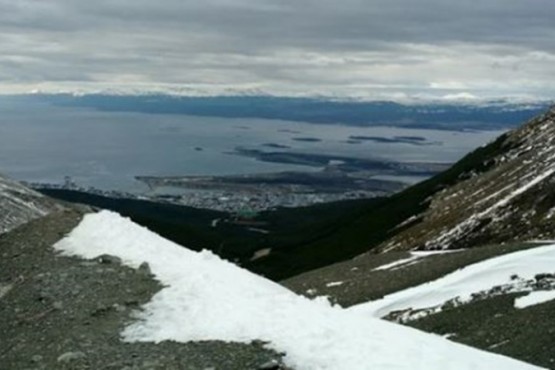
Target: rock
{"x": 150, "y": 364}
{"x": 144, "y": 269}
{"x": 544, "y": 276}
{"x": 44, "y": 297}
{"x": 42, "y": 276}
{"x": 108, "y": 259}
{"x": 270, "y": 365}
{"x": 260, "y": 343}
{"x": 57, "y": 305}
{"x": 131, "y": 302}
{"x": 4, "y": 289}
{"x": 36, "y": 358}
{"x": 76, "y": 290}
{"x": 71, "y": 356}
{"x": 118, "y": 307}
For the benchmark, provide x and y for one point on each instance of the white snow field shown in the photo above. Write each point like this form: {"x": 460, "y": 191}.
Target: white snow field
{"x": 462, "y": 283}
{"x": 206, "y": 298}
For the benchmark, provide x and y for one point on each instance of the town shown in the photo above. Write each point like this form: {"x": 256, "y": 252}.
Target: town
{"x": 232, "y": 201}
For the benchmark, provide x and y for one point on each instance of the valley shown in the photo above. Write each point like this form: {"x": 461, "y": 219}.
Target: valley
{"x": 360, "y": 262}
{"x": 277, "y": 185}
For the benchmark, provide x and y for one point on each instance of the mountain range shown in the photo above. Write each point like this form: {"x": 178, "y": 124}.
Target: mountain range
{"x": 467, "y": 254}
{"x": 430, "y": 114}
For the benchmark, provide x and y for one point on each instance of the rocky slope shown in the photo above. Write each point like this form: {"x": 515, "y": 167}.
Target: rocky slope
{"x": 67, "y": 313}
{"x": 483, "y": 210}
{"x": 514, "y": 200}
{"x": 61, "y": 312}
{"x": 491, "y": 319}
{"x": 19, "y": 205}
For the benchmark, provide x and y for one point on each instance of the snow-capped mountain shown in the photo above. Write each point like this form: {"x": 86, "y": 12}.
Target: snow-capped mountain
{"x": 513, "y": 200}
{"x": 19, "y": 205}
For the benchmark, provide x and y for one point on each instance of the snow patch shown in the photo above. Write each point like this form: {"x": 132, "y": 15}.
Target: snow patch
{"x": 534, "y": 298}
{"x": 550, "y": 213}
{"x": 463, "y": 283}
{"x": 261, "y": 253}
{"x": 415, "y": 256}
{"x": 389, "y": 266}
{"x": 334, "y": 284}
{"x": 311, "y": 292}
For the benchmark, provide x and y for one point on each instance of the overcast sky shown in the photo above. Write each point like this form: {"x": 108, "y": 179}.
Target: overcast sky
{"x": 365, "y": 48}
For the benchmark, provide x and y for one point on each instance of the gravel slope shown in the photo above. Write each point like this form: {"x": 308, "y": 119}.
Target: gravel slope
{"x": 65, "y": 313}
{"x": 361, "y": 282}
{"x": 495, "y": 325}
{"x": 492, "y": 324}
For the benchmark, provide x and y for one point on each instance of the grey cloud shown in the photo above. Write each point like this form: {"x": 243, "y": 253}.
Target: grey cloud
{"x": 301, "y": 44}
{"x": 305, "y": 23}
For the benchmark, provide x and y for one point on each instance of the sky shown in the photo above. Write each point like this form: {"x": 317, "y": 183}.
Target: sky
{"x": 392, "y": 49}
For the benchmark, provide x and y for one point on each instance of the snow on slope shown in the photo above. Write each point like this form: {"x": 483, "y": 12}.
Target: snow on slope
{"x": 415, "y": 257}
{"x": 534, "y": 298}
{"x": 463, "y": 283}
{"x": 207, "y": 298}
{"x": 510, "y": 201}
{"x": 19, "y": 205}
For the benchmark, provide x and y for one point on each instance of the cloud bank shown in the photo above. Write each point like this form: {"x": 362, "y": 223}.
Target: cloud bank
{"x": 370, "y": 48}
